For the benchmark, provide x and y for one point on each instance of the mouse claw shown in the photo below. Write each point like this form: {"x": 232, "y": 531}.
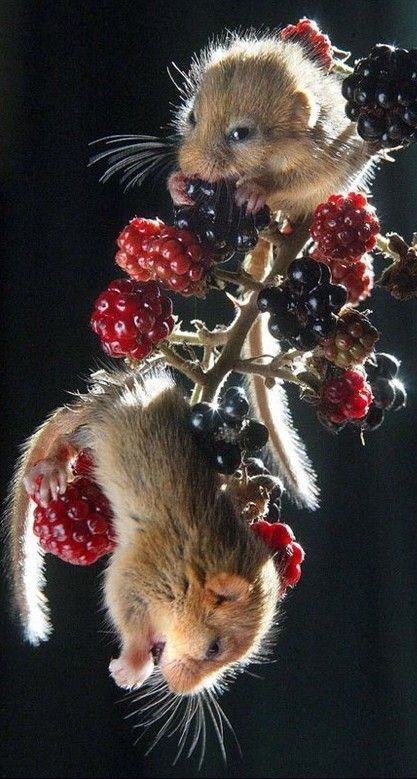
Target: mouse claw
{"x": 47, "y": 479}
{"x": 176, "y": 184}
{"x": 252, "y": 194}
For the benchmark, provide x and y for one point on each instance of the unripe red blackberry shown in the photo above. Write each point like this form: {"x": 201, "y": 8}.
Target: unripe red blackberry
{"x": 316, "y": 44}
{"x": 357, "y": 277}
{"x": 353, "y": 341}
{"x": 345, "y": 397}
{"x": 289, "y": 555}
{"x": 130, "y": 318}
{"x": 344, "y": 227}
{"x": 149, "y": 249}
{"x": 381, "y": 96}
{"x": 76, "y": 526}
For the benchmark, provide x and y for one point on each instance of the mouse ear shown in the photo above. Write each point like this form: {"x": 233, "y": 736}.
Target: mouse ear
{"x": 305, "y": 108}
{"x": 226, "y": 587}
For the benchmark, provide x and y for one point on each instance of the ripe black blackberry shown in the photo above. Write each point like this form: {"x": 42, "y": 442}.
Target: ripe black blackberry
{"x": 388, "y": 391}
{"x": 226, "y": 431}
{"x": 303, "y": 309}
{"x": 217, "y": 221}
{"x": 381, "y": 96}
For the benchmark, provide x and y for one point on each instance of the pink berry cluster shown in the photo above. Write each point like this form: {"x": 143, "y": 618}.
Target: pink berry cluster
{"x": 345, "y": 397}
{"x": 76, "y": 526}
{"x": 131, "y": 317}
{"x": 289, "y": 554}
{"x": 150, "y": 249}
{"x": 307, "y": 31}
{"x": 344, "y": 229}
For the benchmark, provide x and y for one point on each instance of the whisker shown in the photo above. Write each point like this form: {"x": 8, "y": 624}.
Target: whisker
{"x": 216, "y": 727}
{"x": 197, "y": 729}
{"x": 204, "y": 737}
{"x": 130, "y": 137}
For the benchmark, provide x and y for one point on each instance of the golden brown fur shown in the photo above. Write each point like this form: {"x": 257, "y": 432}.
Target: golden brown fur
{"x": 187, "y": 570}
{"x": 303, "y": 148}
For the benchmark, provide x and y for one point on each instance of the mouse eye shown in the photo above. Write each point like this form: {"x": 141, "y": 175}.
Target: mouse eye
{"x": 192, "y": 120}
{"x": 241, "y": 133}
{"x": 214, "y": 649}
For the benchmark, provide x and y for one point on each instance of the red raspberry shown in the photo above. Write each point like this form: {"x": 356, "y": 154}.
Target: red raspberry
{"x": 345, "y": 227}
{"x": 345, "y": 397}
{"x": 149, "y": 249}
{"x": 77, "y": 526}
{"x": 308, "y": 32}
{"x": 131, "y": 317}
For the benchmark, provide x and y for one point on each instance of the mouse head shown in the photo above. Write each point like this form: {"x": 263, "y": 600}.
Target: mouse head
{"x": 220, "y": 622}
{"x": 245, "y": 109}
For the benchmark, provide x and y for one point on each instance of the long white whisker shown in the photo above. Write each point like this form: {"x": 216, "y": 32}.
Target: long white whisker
{"x": 197, "y": 729}
{"x": 216, "y": 728}
{"x": 116, "y": 138}
{"x": 204, "y": 737}
{"x": 228, "y": 724}
{"x": 139, "y": 178}
{"x": 163, "y": 729}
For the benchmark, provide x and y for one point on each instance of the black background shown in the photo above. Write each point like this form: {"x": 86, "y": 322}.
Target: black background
{"x": 340, "y": 700}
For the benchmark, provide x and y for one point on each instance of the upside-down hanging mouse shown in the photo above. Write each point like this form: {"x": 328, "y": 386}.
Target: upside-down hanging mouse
{"x": 188, "y": 581}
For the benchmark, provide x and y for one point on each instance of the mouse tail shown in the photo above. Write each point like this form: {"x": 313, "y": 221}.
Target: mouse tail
{"x": 271, "y": 404}
{"x": 25, "y": 555}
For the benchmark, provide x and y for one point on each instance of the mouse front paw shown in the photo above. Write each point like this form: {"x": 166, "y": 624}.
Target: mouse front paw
{"x": 47, "y": 479}
{"x": 129, "y": 675}
{"x": 251, "y": 193}
{"x": 176, "y": 184}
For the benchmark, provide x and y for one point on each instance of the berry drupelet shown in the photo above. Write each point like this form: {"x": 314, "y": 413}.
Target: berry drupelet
{"x": 381, "y": 96}
{"x": 216, "y": 220}
{"x": 131, "y": 318}
{"x": 344, "y": 227}
{"x": 150, "y": 249}
{"x": 303, "y": 309}
{"x": 225, "y": 431}
{"x": 388, "y": 391}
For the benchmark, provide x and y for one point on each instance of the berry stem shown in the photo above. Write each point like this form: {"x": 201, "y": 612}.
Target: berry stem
{"x": 202, "y": 337}
{"x": 271, "y": 371}
{"x": 239, "y": 278}
{"x": 286, "y": 250}
{"x": 186, "y": 367}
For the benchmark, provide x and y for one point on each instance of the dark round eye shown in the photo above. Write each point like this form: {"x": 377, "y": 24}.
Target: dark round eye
{"x": 214, "y": 649}
{"x": 192, "y": 118}
{"x": 239, "y": 134}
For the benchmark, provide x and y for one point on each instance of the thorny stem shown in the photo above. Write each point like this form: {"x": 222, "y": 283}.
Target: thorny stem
{"x": 202, "y": 337}
{"x": 240, "y": 278}
{"x": 287, "y": 250}
{"x": 189, "y": 369}
{"x": 268, "y": 371}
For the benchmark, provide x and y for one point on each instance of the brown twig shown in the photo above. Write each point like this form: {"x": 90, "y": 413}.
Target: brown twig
{"x": 239, "y": 278}
{"x": 186, "y": 367}
{"x": 287, "y": 249}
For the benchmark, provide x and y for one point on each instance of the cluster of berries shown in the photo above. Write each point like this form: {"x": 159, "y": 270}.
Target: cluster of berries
{"x": 289, "y": 555}
{"x": 303, "y": 309}
{"x": 381, "y": 96}
{"x": 344, "y": 229}
{"x": 345, "y": 396}
{"x": 353, "y": 341}
{"x": 150, "y": 249}
{"x": 217, "y": 221}
{"x": 316, "y": 44}
{"x": 358, "y": 279}
{"x": 77, "y": 525}
{"x": 131, "y": 317}
{"x": 388, "y": 391}
{"x": 225, "y": 431}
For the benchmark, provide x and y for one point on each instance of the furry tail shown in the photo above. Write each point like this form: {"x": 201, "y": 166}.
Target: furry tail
{"x": 26, "y": 556}
{"x": 272, "y": 406}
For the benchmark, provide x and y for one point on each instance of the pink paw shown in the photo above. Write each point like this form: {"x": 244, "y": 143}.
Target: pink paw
{"x": 53, "y": 483}
{"x": 127, "y": 675}
{"x": 252, "y": 194}
{"x": 176, "y": 186}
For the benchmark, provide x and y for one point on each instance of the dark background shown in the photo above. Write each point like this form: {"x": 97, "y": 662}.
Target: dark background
{"x": 341, "y": 698}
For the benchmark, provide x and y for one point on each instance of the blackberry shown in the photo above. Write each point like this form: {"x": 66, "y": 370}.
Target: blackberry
{"x": 219, "y": 224}
{"x": 381, "y": 96}
{"x": 303, "y": 309}
{"x": 225, "y": 431}
{"x": 388, "y": 390}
